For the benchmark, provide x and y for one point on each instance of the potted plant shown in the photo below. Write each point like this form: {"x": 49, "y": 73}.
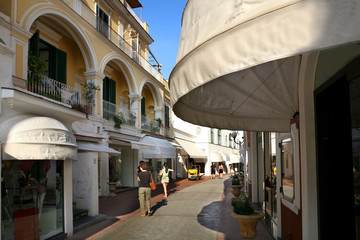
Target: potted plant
{"x": 36, "y": 65}
{"x": 236, "y": 184}
{"x": 118, "y": 119}
{"x": 89, "y": 95}
{"x": 247, "y": 217}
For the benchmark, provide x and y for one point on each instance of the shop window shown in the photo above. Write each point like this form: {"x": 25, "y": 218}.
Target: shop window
{"x": 290, "y": 169}
{"x": 287, "y": 169}
{"x": 32, "y": 199}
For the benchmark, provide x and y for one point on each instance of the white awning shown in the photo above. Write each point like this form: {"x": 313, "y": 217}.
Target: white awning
{"x": 132, "y": 144}
{"x": 27, "y": 137}
{"x": 90, "y": 147}
{"x": 216, "y": 157}
{"x": 162, "y": 148}
{"x": 234, "y": 158}
{"x": 238, "y": 64}
{"x": 191, "y": 149}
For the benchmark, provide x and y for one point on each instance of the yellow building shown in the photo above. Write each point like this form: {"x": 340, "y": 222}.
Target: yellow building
{"x": 83, "y": 100}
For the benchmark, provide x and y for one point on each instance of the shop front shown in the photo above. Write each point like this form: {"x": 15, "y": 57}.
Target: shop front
{"x": 36, "y": 161}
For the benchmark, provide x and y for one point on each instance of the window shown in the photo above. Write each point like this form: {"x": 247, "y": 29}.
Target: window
{"x": 212, "y": 135}
{"x": 55, "y": 58}
{"x": 109, "y": 90}
{"x": 167, "y": 116}
{"x": 287, "y": 169}
{"x": 102, "y": 22}
{"x": 230, "y": 141}
{"x": 33, "y": 189}
{"x": 219, "y": 137}
{"x": 290, "y": 169}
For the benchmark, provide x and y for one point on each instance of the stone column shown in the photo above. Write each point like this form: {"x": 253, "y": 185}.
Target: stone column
{"x": 97, "y": 79}
{"x": 135, "y": 101}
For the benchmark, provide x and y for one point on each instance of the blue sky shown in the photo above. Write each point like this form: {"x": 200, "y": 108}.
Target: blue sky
{"x": 164, "y": 20}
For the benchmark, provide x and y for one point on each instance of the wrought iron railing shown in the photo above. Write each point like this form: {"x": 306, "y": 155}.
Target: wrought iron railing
{"x": 111, "y": 109}
{"x": 53, "y": 89}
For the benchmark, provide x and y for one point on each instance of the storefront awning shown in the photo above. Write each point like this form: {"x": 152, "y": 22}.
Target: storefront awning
{"x": 238, "y": 65}
{"x": 27, "y": 137}
{"x": 162, "y": 148}
{"x": 216, "y": 157}
{"x": 234, "y": 158}
{"x": 96, "y": 148}
{"x": 191, "y": 149}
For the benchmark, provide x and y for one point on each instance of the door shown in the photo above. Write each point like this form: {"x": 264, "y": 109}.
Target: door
{"x": 334, "y": 161}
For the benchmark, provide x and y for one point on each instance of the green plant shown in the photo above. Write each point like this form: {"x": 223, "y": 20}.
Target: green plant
{"x": 89, "y": 93}
{"x": 159, "y": 121}
{"x": 36, "y": 65}
{"x": 236, "y": 178}
{"x": 242, "y": 205}
{"x": 118, "y": 119}
{"x": 153, "y": 127}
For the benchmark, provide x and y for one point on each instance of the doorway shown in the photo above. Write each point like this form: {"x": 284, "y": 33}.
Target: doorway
{"x": 334, "y": 159}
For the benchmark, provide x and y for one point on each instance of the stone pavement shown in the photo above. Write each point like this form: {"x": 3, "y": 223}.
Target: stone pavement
{"x": 193, "y": 209}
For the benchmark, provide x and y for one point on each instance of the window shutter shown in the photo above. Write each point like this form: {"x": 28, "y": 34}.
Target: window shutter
{"x": 60, "y": 66}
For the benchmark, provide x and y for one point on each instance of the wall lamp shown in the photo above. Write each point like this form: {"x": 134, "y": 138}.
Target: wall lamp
{"x": 234, "y": 135}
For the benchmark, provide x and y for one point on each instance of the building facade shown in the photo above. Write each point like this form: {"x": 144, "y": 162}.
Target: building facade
{"x": 203, "y": 146}
{"x": 83, "y": 100}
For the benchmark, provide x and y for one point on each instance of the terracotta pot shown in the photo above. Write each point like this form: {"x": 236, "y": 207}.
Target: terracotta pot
{"x": 236, "y": 190}
{"x": 248, "y": 224}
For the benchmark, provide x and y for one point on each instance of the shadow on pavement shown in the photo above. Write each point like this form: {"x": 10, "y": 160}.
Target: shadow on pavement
{"x": 158, "y": 205}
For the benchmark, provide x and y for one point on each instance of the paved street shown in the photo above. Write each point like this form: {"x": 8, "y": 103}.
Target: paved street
{"x": 201, "y": 211}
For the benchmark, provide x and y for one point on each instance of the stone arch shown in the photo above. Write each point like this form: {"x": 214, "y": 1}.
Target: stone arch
{"x": 73, "y": 28}
{"x": 129, "y": 75}
{"x": 154, "y": 91}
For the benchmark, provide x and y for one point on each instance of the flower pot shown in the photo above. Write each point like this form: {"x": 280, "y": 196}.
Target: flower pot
{"x": 112, "y": 188}
{"x": 248, "y": 224}
{"x": 236, "y": 190}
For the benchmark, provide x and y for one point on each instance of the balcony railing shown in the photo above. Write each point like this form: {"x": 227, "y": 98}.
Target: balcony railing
{"x": 53, "y": 89}
{"x": 111, "y": 109}
{"x": 150, "y": 124}
{"x": 90, "y": 16}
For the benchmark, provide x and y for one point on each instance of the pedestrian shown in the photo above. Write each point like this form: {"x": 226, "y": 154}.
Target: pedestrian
{"x": 213, "y": 170}
{"x": 165, "y": 177}
{"x": 144, "y": 178}
{"x": 221, "y": 170}
{"x": 138, "y": 168}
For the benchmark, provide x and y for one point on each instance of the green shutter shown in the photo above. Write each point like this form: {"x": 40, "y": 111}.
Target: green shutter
{"x": 106, "y": 89}
{"x": 143, "y": 106}
{"x": 112, "y": 91}
{"x": 60, "y": 66}
{"x": 34, "y": 44}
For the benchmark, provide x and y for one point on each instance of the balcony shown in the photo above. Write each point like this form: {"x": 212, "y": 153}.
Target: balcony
{"x": 52, "y": 89}
{"x": 126, "y": 116}
{"x": 150, "y": 125}
{"x": 90, "y": 16}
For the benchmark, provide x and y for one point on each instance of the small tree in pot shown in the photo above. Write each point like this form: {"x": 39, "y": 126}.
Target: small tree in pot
{"x": 247, "y": 217}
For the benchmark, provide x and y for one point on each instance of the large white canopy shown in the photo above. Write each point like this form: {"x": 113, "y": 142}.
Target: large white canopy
{"x": 239, "y": 61}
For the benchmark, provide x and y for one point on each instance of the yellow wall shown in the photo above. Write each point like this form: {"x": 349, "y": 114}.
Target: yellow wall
{"x": 5, "y": 7}
{"x": 19, "y": 61}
